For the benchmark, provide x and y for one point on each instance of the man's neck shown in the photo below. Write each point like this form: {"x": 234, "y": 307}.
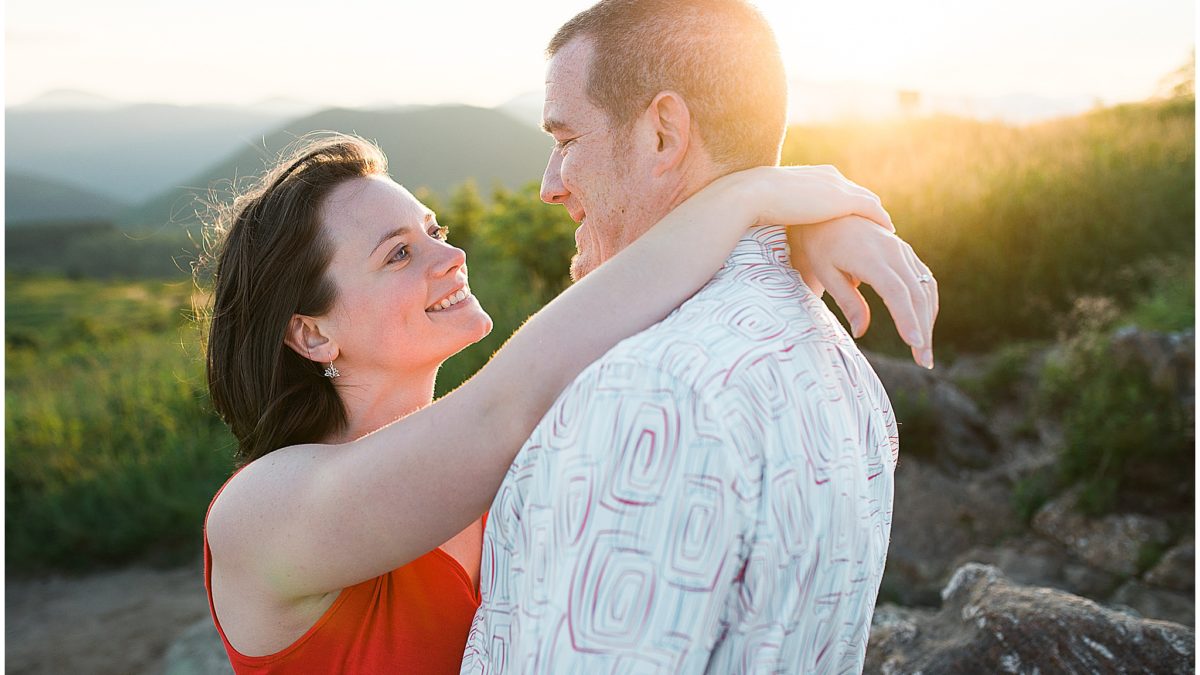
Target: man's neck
{"x": 697, "y": 173}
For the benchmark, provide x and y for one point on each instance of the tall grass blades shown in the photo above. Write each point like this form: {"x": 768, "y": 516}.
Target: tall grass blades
{"x": 112, "y": 452}
{"x": 1020, "y": 221}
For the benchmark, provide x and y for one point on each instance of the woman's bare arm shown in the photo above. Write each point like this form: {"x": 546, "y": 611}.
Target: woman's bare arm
{"x": 316, "y": 518}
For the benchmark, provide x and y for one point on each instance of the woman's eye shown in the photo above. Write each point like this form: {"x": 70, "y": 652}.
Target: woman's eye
{"x": 561, "y": 146}
{"x": 441, "y": 232}
{"x": 400, "y": 255}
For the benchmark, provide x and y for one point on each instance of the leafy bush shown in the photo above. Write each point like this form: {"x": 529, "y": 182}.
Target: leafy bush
{"x": 1127, "y": 438}
{"x": 1001, "y": 377}
{"x": 1033, "y": 491}
{"x": 97, "y": 250}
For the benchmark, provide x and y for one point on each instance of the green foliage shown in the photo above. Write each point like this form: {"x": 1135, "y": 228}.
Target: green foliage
{"x": 1000, "y": 379}
{"x": 1148, "y": 556}
{"x": 519, "y": 249}
{"x": 427, "y": 146}
{"x": 33, "y": 199}
{"x": 538, "y": 237}
{"x": 465, "y": 216}
{"x": 1032, "y": 492}
{"x": 1019, "y": 221}
{"x": 1170, "y": 305}
{"x": 97, "y": 250}
{"x": 1125, "y": 437}
{"x": 111, "y": 452}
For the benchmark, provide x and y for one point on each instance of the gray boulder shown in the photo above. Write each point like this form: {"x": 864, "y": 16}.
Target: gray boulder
{"x": 1114, "y": 542}
{"x": 1176, "y": 570}
{"x": 1035, "y": 561}
{"x": 937, "y": 420}
{"x": 988, "y": 624}
{"x": 935, "y": 518}
{"x": 1156, "y": 603}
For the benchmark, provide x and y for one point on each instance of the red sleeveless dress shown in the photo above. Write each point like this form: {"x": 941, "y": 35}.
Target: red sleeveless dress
{"x": 413, "y": 619}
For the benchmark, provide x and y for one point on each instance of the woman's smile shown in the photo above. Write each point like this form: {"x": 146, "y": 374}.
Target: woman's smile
{"x": 451, "y": 301}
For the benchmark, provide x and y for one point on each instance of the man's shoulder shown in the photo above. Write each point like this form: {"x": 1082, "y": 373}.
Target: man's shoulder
{"x": 740, "y": 314}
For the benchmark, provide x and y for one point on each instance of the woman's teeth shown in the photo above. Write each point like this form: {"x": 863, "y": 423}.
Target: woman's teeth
{"x": 458, "y": 297}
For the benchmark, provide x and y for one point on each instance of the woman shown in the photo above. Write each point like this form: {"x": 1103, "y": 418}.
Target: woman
{"x": 336, "y": 299}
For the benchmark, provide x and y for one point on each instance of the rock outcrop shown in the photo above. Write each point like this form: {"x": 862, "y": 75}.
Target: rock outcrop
{"x": 988, "y": 624}
{"x": 1169, "y": 358}
{"x": 1176, "y": 570}
{"x": 938, "y": 421}
{"x": 1115, "y": 542}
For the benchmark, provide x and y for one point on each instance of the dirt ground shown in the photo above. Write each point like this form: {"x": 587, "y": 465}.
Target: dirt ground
{"x": 118, "y": 622}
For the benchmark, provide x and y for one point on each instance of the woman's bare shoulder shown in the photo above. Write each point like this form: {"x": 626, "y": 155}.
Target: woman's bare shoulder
{"x": 249, "y": 503}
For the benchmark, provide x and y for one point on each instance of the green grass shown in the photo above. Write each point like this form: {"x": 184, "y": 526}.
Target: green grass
{"x": 1019, "y": 221}
{"x": 112, "y": 453}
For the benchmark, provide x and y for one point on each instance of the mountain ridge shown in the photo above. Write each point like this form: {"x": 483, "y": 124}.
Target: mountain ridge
{"x": 453, "y": 143}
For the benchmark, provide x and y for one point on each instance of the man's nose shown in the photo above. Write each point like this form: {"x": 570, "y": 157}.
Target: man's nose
{"x": 553, "y": 190}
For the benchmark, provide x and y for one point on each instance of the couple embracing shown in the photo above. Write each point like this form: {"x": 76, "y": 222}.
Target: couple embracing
{"x": 682, "y": 464}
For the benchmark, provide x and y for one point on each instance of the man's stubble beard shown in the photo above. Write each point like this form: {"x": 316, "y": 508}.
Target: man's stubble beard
{"x": 574, "y": 270}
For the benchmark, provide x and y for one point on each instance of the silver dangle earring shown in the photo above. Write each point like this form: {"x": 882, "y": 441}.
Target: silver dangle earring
{"x": 332, "y": 371}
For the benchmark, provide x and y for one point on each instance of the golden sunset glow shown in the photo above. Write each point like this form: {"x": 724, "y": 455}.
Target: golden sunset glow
{"x": 361, "y": 53}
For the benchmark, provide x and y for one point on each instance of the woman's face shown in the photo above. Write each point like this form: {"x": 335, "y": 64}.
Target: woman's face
{"x": 396, "y": 278}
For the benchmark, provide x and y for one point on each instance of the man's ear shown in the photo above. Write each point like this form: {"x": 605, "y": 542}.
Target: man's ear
{"x": 305, "y": 338}
{"x": 671, "y": 123}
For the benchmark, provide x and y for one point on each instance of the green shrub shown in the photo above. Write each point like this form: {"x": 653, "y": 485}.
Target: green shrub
{"x": 1001, "y": 377}
{"x": 111, "y": 451}
{"x": 1032, "y": 492}
{"x": 1125, "y": 438}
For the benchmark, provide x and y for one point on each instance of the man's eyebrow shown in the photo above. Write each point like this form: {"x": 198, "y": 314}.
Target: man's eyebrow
{"x": 551, "y": 125}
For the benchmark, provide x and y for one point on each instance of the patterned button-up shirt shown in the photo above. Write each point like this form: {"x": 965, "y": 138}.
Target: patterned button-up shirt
{"x": 712, "y": 495}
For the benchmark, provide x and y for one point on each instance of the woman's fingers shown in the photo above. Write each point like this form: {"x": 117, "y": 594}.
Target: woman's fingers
{"x": 924, "y": 296}
{"x": 847, "y": 296}
{"x": 929, "y": 288}
{"x": 900, "y": 302}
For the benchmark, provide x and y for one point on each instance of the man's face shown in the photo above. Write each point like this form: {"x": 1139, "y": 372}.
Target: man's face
{"x": 594, "y": 172}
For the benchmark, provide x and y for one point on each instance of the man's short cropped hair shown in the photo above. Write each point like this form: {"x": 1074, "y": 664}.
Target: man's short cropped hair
{"x": 720, "y": 55}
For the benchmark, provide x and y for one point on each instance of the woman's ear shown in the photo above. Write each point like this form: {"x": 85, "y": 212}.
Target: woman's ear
{"x": 305, "y": 338}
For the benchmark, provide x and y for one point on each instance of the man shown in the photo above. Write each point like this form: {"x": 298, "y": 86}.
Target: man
{"x": 715, "y": 493}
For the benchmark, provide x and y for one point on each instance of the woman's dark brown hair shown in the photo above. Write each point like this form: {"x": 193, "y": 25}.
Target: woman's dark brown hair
{"x": 271, "y": 258}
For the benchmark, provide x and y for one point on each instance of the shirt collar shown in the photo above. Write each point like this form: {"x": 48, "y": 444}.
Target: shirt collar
{"x": 759, "y": 246}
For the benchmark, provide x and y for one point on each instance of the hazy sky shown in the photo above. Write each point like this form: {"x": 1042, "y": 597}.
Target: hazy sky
{"x": 363, "y": 52}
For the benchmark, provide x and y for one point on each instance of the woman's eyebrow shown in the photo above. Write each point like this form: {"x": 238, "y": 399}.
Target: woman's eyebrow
{"x": 402, "y": 230}
{"x": 399, "y": 231}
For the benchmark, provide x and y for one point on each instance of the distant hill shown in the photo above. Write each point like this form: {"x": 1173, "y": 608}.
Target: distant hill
{"x": 131, "y": 152}
{"x": 525, "y": 107}
{"x": 436, "y": 147}
{"x": 31, "y": 198}
{"x": 58, "y": 99}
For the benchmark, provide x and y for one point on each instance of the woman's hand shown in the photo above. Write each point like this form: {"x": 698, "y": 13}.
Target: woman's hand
{"x": 840, "y": 236}
{"x": 839, "y": 254}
